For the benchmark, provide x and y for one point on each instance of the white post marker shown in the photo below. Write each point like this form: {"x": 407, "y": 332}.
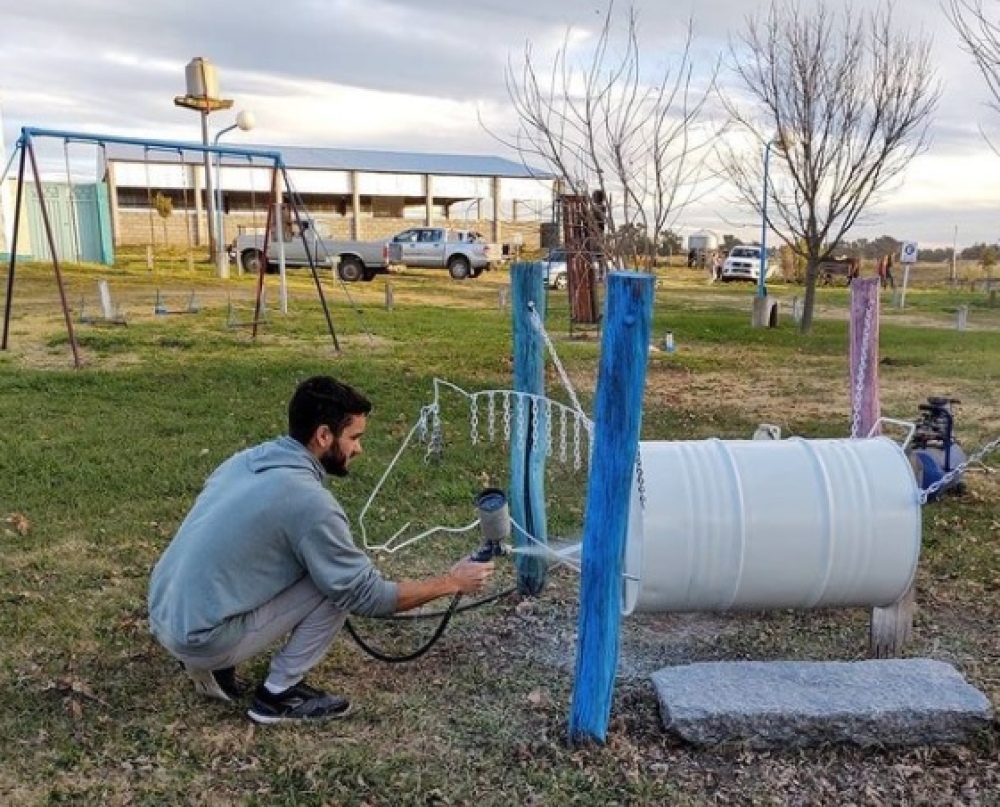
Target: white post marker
{"x": 907, "y": 257}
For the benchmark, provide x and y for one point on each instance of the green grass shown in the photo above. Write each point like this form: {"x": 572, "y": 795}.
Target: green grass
{"x": 100, "y": 464}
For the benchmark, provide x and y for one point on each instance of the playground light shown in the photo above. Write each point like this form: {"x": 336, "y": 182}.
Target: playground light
{"x": 203, "y": 95}
{"x": 783, "y": 141}
{"x": 245, "y": 121}
{"x": 762, "y": 267}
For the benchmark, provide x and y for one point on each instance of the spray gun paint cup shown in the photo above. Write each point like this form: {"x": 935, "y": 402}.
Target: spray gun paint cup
{"x": 494, "y": 522}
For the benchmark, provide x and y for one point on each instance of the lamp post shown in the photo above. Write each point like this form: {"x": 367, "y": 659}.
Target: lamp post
{"x": 762, "y": 271}
{"x": 203, "y": 96}
{"x": 245, "y": 121}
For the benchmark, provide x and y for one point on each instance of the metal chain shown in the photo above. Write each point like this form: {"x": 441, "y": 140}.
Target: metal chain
{"x": 534, "y": 421}
{"x": 640, "y": 478}
{"x": 491, "y": 416}
{"x": 539, "y": 326}
{"x": 862, "y": 370}
{"x": 474, "y": 419}
{"x": 577, "y": 457}
{"x": 562, "y": 434}
{"x": 548, "y": 428}
{"x": 954, "y": 473}
{"x": 435, "y": 445}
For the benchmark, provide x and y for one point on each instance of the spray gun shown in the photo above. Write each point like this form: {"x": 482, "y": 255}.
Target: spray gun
{"x": 494, "y": 521}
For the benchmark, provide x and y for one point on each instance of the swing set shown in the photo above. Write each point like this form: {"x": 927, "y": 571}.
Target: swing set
{"x": 28, "y": 171}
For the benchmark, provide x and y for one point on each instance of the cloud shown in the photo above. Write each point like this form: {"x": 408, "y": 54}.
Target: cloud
{"x": 416, "y": 75}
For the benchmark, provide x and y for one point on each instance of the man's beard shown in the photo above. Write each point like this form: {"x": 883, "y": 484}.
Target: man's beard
{"x": 333, "y": 462}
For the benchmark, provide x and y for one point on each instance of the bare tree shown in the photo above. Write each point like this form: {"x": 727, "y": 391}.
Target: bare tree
{"x": 842, "y": 105}
{"x": 617, "y": 134}
{"x": 980, "y": 37}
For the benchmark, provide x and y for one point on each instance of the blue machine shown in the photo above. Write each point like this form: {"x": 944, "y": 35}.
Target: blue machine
{"x": 933, "y": 449}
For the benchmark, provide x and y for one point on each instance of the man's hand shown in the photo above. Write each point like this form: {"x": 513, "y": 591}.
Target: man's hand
{"x": 465, "y": 577}
{"x": 470, "y": 576}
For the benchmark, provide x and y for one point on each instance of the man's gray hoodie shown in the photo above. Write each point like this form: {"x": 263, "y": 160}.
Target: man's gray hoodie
{"x": 263, "y": 521}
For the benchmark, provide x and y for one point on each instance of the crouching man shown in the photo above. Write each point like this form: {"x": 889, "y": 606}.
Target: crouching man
{"x": 266, "y": 556}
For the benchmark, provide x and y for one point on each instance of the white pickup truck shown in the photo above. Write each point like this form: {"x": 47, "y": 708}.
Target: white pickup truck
{"x": 352, "y": 260}
{"x": 463, "y": 252}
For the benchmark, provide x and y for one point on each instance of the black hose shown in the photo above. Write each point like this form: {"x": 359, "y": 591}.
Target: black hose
{"x": 445, "y": 615}
{"x": 468, "y": 606}
{"x": 389, "y": 659}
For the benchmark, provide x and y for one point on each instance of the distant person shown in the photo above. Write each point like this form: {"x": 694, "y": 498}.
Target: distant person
{"x": 266, "y": 555}
{"x": 885, "y": 277}
{"x": 692, "y": 257}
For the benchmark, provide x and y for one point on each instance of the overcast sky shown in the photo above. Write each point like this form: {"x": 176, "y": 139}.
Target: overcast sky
{"x": 422, "y": 76}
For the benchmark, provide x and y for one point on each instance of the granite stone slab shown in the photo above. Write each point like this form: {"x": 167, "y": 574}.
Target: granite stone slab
{"x": 782, "y": 704}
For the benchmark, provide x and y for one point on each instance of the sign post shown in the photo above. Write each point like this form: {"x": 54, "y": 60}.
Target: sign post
{"x": 907, "y": 257}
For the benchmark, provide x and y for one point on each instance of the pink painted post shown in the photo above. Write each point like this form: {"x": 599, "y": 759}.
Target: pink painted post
{"x": 864, "y": 322}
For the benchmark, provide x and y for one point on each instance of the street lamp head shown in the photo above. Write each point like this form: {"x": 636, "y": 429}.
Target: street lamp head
{"x": 246, "y": 120}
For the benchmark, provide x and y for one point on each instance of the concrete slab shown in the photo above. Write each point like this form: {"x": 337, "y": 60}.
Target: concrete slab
{"x": 784, "y": 704}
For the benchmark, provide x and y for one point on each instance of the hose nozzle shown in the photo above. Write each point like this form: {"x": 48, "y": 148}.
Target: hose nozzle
{"x": 494, "y": 522}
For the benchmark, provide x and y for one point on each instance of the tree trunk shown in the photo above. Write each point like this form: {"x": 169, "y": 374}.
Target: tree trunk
{"x": 805, "y": 324}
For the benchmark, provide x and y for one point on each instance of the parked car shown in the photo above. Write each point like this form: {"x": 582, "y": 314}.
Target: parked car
{"x": 352, "y": 260}
{"x": 743, "y": 263}
{"x": 556, "y": 276}
{"x": 463, "y": 252}
{"x": 557, "y": 271}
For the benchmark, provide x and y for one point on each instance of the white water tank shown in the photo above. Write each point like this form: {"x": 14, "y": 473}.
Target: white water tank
{"x": 202, "y": 78}
{"x": 703, "y": 239}
{"x": 763, "y": 524}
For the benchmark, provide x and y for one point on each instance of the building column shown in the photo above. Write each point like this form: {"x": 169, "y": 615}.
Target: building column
{"x": 198, "y": 180}
{"x": 428, "y": 200}
{"x": 116, "y": 225}
{"x": 355, "y": 207}
{"x": 496, "y": 236}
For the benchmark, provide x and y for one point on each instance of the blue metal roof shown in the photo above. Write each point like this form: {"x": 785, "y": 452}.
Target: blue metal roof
{"x": 338, "y": 159}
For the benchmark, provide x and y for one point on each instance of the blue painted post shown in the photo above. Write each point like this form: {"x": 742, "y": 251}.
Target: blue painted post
{"x": 529, "y": 424}
{"x": 617, "y": 421}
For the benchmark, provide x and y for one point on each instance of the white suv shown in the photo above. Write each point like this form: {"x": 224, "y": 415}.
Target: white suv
{"x": 743, "y": 263}
{"x": 555, "y": 269}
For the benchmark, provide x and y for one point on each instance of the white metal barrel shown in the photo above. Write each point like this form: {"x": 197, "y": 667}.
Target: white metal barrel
{"x": 760, "y": 524}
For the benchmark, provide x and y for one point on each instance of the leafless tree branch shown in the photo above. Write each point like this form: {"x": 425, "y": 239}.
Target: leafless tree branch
{"x": 844, "y": 100}
{"x": 608, "y": 127}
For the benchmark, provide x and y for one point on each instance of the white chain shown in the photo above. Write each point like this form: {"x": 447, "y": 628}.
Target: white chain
{"x": 640, "y": 481}
{"x": 539, "y": 326}
{"x": 563, "y": 414}
{"x": 534, "y": 421}
{"x": 949, "y": 477}
{"x": 435, "y": 445}
{"x": 859, "y": 379}
{"x": 548, "y": 428}
{"x": 474, "y": 419}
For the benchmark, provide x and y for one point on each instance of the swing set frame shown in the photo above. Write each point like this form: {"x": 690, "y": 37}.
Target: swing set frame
{"x": 26, "y": 147}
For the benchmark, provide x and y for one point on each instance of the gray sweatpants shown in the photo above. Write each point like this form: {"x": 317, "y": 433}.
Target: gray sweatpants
{"x": 303, "y": 613}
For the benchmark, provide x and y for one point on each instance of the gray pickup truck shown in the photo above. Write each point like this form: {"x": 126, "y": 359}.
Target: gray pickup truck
{"x": 352, "y": 260}
{"x": 463, "y": 252}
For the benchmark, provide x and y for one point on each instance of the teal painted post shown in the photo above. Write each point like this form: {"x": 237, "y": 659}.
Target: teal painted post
{"x": 529, "y": 425}
{"x": 617, "y": 421}
{"x": 104, "y": 224}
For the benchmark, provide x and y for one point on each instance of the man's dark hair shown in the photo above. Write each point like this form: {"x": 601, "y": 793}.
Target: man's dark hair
{"x": 323, "y": 400}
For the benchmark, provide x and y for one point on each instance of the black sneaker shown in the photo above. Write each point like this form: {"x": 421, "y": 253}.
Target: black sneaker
{"x": 297, "y": 703}
{"x": 219, "y": 684}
